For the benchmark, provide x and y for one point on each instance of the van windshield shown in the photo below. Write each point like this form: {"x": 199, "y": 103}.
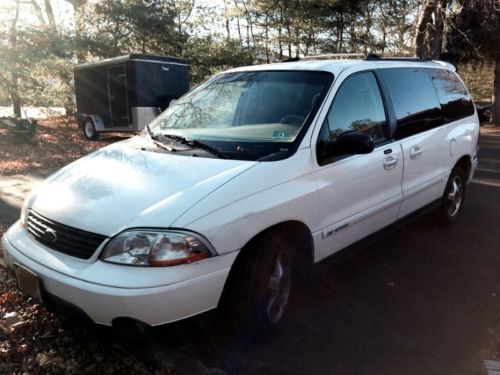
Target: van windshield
{"x": 246, "y": 108}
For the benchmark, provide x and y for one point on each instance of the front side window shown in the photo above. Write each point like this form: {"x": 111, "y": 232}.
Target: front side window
{"x": 414, "y": 100}
{"x": 247, "y": 115}
{"x": 357, "y": 106}
{"x": 455, "y": 101}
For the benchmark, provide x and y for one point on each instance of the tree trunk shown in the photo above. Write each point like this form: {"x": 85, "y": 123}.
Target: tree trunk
{"x": 401, "y": 26}
{"x": 239, "y": 29}
{"x": 50, "y": 16}
{"x": 352, "y": 34}
{"x": 266, "y": 41}
{"x": 496, "y": 92}
{"x": 249, "y": 25}
{"x": 14, "y": 90}
{"x": 423, "y": 20}
{"x": 437, "y": 37}
{"x": 341, "y": 33}
{"x": 367, "y": 39}
{"x": 78, "y": 19}
{"x": 226, "y": 20}
{"x": 38, "y": 11}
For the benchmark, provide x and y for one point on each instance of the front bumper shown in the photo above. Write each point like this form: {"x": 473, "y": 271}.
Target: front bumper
{"x": 154, "y": 305}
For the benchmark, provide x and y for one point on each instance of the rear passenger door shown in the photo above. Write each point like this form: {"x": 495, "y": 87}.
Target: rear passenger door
{"x": 418, "y": 128}
{"x": 358, "y": 194}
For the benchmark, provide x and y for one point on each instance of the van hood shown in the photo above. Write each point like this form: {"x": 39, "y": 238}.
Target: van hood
{"x": 124, "y": 186}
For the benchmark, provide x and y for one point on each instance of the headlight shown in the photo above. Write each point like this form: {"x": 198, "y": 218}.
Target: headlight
{"x": 155, "y": 248}
{"x": 24, "y": 209}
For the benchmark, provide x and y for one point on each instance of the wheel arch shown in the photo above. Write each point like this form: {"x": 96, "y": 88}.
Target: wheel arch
{"x": 96, "y": 120}
{"x": 465, "y": 162}
{"x": 296, "y": 232}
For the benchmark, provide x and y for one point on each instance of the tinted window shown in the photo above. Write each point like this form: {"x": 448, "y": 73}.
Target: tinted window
{"x": 455, "y": 101}
{"x": 414, "y": 99}
{"x": 357, "y": 106}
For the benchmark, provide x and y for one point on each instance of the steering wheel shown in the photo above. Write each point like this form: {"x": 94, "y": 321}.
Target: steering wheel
{"x": 292, "y": 120}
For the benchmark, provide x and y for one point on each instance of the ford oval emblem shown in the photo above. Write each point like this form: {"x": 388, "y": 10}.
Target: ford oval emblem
{"x": 49, "y": 235}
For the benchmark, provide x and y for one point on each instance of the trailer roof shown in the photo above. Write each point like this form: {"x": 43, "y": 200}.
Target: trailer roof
{"x": 133, "y": 57}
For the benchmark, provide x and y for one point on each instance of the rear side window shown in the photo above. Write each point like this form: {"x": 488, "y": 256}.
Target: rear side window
{"x": 455, "y": 101}
{"x": 414, "y": 98}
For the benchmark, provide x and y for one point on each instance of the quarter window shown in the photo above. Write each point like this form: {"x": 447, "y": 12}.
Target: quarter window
{"x": 357, "y": 106}
{"x": 455, "y": 101}
{"x": 414, "y": 99}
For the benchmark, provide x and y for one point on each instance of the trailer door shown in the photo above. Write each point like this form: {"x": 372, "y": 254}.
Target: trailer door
{"x": 117, "y": 91}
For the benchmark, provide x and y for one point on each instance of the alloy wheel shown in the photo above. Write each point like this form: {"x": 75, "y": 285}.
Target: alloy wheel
{"x": 279, "y": 288}
{"x": 454, "y": 198}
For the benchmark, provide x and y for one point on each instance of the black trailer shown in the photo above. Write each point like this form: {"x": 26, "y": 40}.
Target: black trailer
{"x": 125, "y": 93}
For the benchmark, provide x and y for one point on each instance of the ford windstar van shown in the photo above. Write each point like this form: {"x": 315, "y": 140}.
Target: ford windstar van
{"x": 247, "y": 180}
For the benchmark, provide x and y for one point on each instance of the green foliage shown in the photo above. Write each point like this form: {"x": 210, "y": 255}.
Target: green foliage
{"x": 208, "y": 56}
{"x": 475, "y": 31}
{"x": 212, "y": 36}
{"x": 40, "y": 64}
{"x": 133, "y": 26}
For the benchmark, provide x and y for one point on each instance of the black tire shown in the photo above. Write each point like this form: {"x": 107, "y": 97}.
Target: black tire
{"x": 453, "y": 197}
{"x": 89, "y": 131}
{"x": 257, "y": 294}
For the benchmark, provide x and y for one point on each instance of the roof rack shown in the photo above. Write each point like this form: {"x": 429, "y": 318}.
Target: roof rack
{"x": 329, "y": 56}
{"x": 372, "y": 56}
{"x": 326, "y": 56}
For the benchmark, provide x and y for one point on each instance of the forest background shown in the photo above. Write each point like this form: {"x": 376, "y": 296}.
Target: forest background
{"x": 41, "y": 40}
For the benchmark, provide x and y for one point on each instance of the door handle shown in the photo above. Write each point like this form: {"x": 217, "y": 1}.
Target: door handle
{"x": 390, "y": 162}
{"x": 415, "y": 152}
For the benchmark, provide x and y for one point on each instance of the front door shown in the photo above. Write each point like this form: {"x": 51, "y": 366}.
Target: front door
{"x": 117, "y": 91}
{"x": 358, "y": 194}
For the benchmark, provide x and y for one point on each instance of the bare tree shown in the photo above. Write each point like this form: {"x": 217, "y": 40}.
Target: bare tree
{"x": 78, "y": 17}
{"x": 14, "y": 86}
{"x": 50, "y": 15}
{"x": 429, "y": 28}
{"x": 38, "y": 11}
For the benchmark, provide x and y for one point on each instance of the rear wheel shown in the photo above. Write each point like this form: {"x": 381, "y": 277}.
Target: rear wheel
{"x": 453, "y": 197}
{"x": 89, "y": 130}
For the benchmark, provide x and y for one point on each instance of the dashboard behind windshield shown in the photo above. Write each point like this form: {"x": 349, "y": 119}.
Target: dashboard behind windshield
{"x": 245, "y": 110}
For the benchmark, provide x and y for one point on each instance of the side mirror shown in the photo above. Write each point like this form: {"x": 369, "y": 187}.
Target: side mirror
{"x": 347, "y": 143}
{"x": 353, "y": 142}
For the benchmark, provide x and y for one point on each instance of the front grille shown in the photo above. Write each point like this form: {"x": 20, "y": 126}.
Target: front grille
{"x": 60, "y": 237}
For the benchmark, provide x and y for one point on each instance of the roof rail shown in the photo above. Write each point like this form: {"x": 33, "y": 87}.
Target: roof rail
{"x": 372, "y": 56}
{"x": 328, "y": 56}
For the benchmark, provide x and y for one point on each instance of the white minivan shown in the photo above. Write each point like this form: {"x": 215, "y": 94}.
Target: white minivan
{"x": 246, "y": 180}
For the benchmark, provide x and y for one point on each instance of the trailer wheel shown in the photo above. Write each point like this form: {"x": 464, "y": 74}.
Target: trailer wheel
{"x": 89, "y": 131}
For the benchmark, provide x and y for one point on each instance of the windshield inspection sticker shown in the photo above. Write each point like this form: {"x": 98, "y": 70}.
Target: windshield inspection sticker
{"x": 280, "y": 135}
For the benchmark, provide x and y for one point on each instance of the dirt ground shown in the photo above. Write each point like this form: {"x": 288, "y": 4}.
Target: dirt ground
{"x": 58, "y": 142}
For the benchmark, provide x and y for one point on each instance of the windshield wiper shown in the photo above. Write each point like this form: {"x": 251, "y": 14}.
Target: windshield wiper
{"x": 194, "y": 143}
{"x": 279, "y": 155}
{"x": 159, "y": 144}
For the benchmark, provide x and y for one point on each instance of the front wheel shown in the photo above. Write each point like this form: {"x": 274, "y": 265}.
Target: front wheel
{"x": 453, "y": 197}
{"x": 260, "y": 284}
